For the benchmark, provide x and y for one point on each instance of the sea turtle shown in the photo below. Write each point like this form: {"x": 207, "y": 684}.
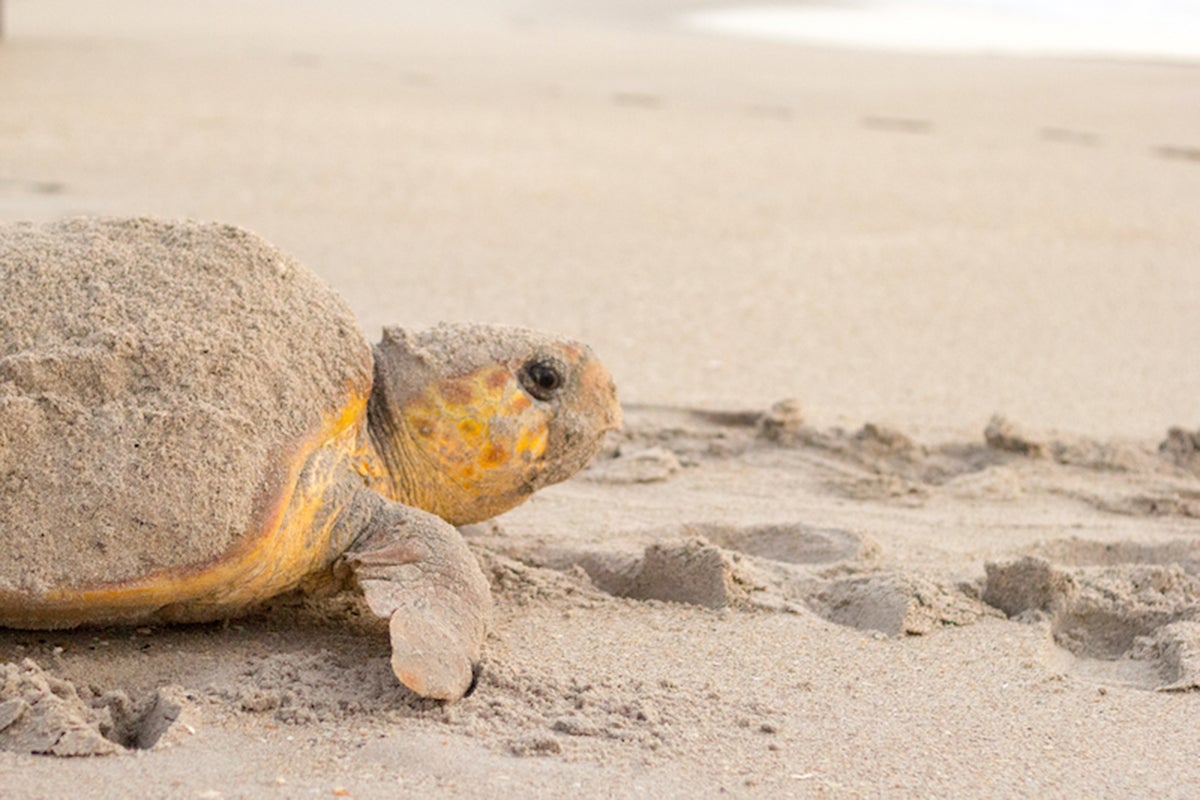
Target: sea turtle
{"x": 191, "y": 422}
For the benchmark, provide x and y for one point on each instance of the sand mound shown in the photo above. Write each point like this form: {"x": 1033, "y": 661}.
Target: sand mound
{"x": 40, "y": 713}
{"x": 43, "y": 714}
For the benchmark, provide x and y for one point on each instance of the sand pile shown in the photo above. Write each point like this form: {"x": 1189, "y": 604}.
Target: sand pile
{"x": 42, "y": 714}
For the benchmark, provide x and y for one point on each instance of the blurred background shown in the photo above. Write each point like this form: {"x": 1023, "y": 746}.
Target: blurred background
{"x": 916, "y": 213}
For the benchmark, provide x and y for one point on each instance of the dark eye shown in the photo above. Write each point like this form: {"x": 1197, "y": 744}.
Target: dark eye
{"x": 542, "y": 378}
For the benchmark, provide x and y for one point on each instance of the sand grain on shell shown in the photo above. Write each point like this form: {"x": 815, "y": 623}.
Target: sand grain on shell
{"x": 153, "y": 377}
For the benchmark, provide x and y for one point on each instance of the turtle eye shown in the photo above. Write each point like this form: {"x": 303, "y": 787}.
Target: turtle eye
{"x": 542, "y": 377}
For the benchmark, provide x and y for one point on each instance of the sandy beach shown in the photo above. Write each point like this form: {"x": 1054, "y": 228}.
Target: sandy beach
{"x": 961, "y": 559}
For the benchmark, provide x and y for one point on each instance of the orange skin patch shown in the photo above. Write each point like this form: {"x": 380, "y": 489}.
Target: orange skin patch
{"x": 481, "y": 431}
{"x": 284, "y": 545}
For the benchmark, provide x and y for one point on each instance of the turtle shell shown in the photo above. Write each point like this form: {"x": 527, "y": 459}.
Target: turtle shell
{"x": 161, "y": 384}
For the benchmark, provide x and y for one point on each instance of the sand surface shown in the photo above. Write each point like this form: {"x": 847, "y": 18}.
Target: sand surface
{"x": 879, "y": 589}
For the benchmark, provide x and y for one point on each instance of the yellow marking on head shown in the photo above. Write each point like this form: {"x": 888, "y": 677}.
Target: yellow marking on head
{"x": 494, "y": 455}
{"x": 518, "y": 403}
{"x": 481, "y": 431}
{"x": 531, "y": 443}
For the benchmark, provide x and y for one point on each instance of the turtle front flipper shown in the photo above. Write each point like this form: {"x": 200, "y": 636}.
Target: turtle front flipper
{"x": 416, "y": 571}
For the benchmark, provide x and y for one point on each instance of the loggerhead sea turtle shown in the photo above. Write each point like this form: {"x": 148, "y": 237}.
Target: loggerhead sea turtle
{"x": 191, "y": 422}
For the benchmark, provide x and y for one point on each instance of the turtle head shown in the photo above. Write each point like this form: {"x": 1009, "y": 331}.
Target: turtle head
{"x": 469, "y": 420}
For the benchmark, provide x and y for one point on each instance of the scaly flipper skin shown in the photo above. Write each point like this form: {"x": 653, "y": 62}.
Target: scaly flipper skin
{"x": 416, "y": 571}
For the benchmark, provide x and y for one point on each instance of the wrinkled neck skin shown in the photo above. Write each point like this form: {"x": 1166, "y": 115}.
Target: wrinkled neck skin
{"x": 410, "y": 477}
{"x": 393, "y": 449}
{"x": 457, "y": 434}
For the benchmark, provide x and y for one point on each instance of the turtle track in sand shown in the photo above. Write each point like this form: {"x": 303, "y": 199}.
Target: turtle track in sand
{"x": 1126, "y": 613}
